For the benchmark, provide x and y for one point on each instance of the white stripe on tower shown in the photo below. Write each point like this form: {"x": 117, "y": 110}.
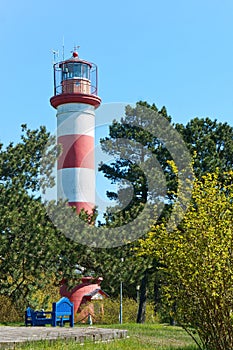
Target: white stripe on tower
{"x": 76, "y": 165}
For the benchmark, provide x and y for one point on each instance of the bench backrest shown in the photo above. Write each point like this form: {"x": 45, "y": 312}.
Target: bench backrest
{"x": 63, "y": 307}
{"x": 28, "y": 312}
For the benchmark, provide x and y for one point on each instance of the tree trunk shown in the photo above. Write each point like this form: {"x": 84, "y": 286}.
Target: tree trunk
{"x": 157, "y": 300}
{"x": 141, "y": 316}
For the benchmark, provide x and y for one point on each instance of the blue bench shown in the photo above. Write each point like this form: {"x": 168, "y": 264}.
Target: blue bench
{"x": 62, "y": 312}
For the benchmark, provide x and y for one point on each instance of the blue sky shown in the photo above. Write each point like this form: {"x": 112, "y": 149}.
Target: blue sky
{"x": 173, "y": 53}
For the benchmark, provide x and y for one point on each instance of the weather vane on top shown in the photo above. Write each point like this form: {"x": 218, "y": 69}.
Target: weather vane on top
{"x": 76, "y": 47}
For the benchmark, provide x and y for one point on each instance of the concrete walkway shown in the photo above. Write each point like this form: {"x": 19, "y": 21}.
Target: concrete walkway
{"x": 10, "y": 336}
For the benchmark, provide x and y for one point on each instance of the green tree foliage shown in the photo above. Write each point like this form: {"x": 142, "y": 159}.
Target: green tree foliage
{"x": 140, "y": 146}
{"x": 31, "y": 248}
{"x": 119, "y": 264}
{"x": 198, "y": 262}
{"x": 149, "y": 135}
{"x": 20, "y": 164}
{"x": 134, "y": 127}
{"x": 210, "y": 143}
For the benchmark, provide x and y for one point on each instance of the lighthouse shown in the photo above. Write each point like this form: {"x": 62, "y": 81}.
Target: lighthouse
{"x": 75, "y": 99}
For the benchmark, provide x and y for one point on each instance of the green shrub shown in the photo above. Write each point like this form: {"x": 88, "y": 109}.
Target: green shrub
{"x": 107, "y": 311}
{"x": 8, "y": 311}
{"x": 44, "y": 297}
{"x": 13, "y": 311}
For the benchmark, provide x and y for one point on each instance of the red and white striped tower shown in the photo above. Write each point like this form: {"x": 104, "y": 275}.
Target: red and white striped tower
{"x": 75, "y": 98}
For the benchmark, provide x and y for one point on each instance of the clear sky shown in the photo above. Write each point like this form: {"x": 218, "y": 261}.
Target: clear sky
{"x": 173, "y": 53}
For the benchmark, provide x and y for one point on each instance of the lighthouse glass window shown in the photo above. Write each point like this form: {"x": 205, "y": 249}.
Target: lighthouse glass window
{"x": 75, "y": 70}
{"x": 85, "y": 71}
{"x": 67, "y": 71}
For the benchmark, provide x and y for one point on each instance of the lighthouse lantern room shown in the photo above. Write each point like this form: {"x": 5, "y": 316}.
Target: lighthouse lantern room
{"x": 75, "y": 98}
{"x": 75, "y": 76}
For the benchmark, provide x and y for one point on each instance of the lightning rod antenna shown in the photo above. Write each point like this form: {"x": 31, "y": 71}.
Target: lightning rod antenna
{"x": 63, "y": 48}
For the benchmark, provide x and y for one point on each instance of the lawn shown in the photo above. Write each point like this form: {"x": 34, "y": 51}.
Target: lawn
{"x": 147, "y": 336}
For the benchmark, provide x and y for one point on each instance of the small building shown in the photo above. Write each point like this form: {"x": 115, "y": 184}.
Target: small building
{"x": 83, "y": 295}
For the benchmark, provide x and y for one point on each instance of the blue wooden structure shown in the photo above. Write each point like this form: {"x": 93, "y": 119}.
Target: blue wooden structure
{"x": 62, "y": 312}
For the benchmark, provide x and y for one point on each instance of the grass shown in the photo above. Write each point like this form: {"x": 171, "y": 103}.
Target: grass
{"x": 146, "y": 336}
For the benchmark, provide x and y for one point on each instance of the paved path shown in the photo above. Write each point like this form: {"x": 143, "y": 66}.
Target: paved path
{"x": 9, "y": 336}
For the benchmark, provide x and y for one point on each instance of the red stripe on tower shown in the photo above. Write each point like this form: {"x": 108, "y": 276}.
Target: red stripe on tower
{"x": 82, "y": 205}
{"x": 77, "y": 151}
